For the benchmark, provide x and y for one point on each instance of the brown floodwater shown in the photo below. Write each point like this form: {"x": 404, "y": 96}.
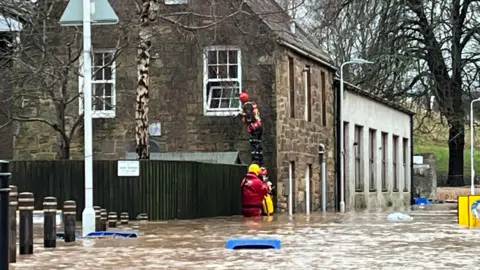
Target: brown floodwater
{"x": 361, "y": 240}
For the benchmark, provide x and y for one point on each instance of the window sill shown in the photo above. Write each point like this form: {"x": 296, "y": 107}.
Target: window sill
{"x": 384, "y": 190}
{"x": 372, "y": 190}
{"x": 221, "y": 113}
{"x": 103, "y": 114}
{"x": 358, "y": 190}
{"x": 405, "y": 190}
{"x": 395, "y": 190}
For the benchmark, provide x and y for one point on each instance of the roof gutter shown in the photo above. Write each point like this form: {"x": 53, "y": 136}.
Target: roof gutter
{"x": 306, "y": 54}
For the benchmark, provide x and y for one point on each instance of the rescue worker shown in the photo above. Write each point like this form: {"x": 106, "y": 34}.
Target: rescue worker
{"x": 253, "y": 192}
{"x": 267, "y": 203}
{"x": 251, "y": 117}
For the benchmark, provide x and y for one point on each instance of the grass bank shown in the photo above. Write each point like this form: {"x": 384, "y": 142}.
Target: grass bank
{"x": 441, "y": 155}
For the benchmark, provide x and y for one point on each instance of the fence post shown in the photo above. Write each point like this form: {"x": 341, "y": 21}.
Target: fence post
{"x": 49, "y": 222}
{"x": 4, "y": 220}
{"x": 26, "y": 202}
{"x": 69, "y": 220}
{"x": 103, "y": 219}
{"x": 97, "y": 218}
{"x": 12, "y": 211}
{"x": 112, "y": 219}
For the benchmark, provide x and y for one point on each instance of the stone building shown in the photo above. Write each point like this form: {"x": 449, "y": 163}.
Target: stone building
{"x": 378, "y": 142}
{"x": 198, "y": 66}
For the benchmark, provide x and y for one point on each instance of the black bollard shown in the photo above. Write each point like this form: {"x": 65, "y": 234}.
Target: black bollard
{"x": 112, "y": 219}
{"x": 4, "y": 220}
{"x": 12, "y": 235}
{"x": 69, "y": 220}
{"x": 97, "y": 218}
{"x": 124, "y": 218}
{"x": 26, "y": 202}
{"x": 50, "y": 222}
{"x": 103, "y": 219}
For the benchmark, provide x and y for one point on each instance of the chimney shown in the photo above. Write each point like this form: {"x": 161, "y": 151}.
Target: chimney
{"x": 292, "y": 26}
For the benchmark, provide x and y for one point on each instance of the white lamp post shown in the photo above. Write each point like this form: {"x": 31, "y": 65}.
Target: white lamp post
{"x": 472, "y": 149}
{"x": 342, "y": 149}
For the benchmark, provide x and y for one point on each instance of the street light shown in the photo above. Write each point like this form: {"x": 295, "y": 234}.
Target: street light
{"x": 472, "y": 149}
{"x": 342, "y": 148}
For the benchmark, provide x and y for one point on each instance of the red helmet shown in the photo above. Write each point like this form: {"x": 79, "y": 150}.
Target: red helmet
{"x": 263, "y": 171}
{"x": 243, "y": 97}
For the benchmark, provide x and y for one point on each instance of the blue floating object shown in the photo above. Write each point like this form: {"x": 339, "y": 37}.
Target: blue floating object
{"x": 421, "y": 201}
{"x": 61, "y": 235}
{"x": 248, "y": 243}
{"x": 113, "y": 234}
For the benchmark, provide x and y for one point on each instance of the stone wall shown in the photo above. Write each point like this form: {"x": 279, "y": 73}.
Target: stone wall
{"x": 298, "y": 139}
{"x": 425, "y": 176}
{"x": 176, "y": 95}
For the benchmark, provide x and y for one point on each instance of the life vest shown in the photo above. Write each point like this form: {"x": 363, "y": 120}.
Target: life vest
{"x": 251, "y": 114}
{"x": 267, "y": 205}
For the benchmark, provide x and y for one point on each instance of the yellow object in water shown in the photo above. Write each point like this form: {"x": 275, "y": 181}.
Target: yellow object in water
{"x": 267, "y": 205}
{"x": 468, "y": 210}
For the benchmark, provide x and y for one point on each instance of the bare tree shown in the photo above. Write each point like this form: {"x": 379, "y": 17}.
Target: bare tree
{"x": 43, "y": 58}
{"x": 421, "y": 43}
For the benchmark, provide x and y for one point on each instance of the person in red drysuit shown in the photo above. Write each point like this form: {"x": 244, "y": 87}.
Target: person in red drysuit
{"x": 251, "y": 117}
{"x": 253, "y": 192}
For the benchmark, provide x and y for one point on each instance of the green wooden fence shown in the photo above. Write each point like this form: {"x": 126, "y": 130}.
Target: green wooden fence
{"x": 164, "y": 190}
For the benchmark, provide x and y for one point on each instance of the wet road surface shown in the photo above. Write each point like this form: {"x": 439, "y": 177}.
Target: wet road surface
{"x": 365, "y": 240}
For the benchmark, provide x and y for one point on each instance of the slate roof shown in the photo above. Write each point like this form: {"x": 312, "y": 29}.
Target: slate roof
{"x": 277, "y": 19}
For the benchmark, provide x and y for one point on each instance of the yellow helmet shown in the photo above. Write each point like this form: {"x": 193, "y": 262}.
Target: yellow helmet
{"x": 254, "y": 168}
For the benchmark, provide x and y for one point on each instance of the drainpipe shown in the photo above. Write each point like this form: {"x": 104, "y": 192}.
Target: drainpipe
{"x": 321, "y": 157}
{"x": 411, "y": 160}
{"x": 307, "y": 191}
{"x": 290, "y": 192}
{"x": 337, "y": 148}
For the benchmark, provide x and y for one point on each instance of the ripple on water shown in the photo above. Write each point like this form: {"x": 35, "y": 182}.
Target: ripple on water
{"x": 334, "y": 241}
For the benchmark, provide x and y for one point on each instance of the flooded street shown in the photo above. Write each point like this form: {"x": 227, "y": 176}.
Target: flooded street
{"x": 432, "y": 240}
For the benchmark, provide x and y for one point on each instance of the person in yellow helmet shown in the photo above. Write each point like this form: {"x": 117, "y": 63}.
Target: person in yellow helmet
{"x": 253, "y": 192}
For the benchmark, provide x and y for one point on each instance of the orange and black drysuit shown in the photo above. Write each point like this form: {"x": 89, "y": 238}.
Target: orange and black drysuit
{"x": 251, "y": 117}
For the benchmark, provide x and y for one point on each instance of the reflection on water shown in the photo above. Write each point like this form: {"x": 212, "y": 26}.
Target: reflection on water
{"x": 432, "y": 240}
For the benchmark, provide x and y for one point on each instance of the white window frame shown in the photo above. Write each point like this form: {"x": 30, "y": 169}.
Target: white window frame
{"x": 102, "y": 113}
{"x": 206, "y": 100}
{"x": 176, "y": 2}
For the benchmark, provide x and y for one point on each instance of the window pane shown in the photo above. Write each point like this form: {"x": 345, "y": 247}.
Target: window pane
{"x": 98, "y": 74}
{"x": 212, "y": 57}
{"x": 98, "y": 59}
{"x": 98, "y": 89}
{"x": 108, "y": 89}
{"x": 232, "y": 57}
{"x": 97, "y": 104}
{"x": 212, "y": 72}
{"x": 108, "y": 103}
{"x": 225, "y": 103}
{"x": 222, "y": 72}
{"x": 234, "y": 102}
{"x": 222, "y": 57}
{"x": 214, "y": 103}
{"x": 107, "y": 71}
{"x": 232, "y": 71}
{"x": 108, "y": 57}
{"x": 216, "y": 92}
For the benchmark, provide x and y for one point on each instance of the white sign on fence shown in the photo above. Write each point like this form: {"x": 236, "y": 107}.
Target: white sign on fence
{"x": 128, "y": 168}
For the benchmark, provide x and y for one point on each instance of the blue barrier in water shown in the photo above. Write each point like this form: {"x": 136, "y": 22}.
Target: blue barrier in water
{"x": 113, "y": 234}
{"x": 421, "y": 201}
{"x": 248, "y": 243}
